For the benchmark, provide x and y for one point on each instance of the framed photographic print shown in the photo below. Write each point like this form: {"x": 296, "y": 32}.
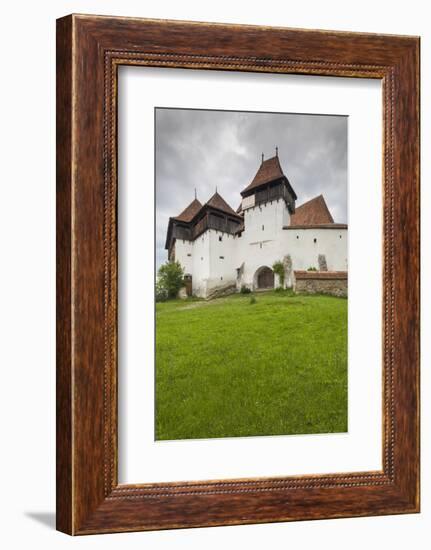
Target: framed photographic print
{"x": 237, "y": 274}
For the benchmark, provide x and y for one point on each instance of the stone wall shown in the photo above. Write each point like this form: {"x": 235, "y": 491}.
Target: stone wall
{"x": 321, "y": 282}
{"x": 220, "y": 291}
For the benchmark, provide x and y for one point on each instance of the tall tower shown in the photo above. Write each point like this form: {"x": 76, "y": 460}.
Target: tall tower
{"x": 269, "y": 184}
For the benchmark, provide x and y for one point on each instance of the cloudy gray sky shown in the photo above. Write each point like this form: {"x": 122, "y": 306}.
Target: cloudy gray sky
{"x": 209, "y": 149}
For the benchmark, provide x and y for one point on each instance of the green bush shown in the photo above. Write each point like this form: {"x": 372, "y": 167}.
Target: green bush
{"x": 311, "y": 269}
{"x": 170, "y": 279}
{"x": 245, "y": 290}
{"x": 278, "y": 269}
{"x": 253, "y": 300}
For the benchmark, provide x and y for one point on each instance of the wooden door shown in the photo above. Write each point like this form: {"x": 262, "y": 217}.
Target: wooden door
{"x": 188, "y": 284}
{"x": 265, "y": 279}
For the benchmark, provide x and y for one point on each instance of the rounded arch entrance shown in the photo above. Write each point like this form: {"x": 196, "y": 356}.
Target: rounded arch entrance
{"x": 263, "y": 278}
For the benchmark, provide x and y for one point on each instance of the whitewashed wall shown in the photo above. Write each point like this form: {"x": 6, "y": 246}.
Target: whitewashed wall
{"x": 270, "y": 216}
{"x": 263, "y": 241}
{"x": 224, "y": 258}
{"x": 184, "y": 255}
{"x": 330, "y": 242}
{"x": 201, "y": 264}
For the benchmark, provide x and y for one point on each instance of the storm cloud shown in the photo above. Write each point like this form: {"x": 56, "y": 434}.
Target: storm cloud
{"x": 204, "y": 150}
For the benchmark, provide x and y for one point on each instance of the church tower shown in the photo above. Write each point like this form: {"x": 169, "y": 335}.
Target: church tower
{"x": 268, "y": 202}
{"x": 269, "y": 184}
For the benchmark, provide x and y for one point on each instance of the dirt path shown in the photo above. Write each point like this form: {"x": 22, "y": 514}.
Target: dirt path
{"x": 203, "y": 303}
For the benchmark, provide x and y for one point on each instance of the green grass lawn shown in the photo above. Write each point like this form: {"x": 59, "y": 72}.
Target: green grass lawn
{"x": 231, "y": 368}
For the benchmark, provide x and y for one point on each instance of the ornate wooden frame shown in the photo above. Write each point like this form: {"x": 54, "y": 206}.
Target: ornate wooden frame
{"x": 89, "y": 51}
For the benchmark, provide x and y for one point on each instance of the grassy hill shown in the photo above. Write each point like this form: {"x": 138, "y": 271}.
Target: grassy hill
{"x": 231, "y": 367}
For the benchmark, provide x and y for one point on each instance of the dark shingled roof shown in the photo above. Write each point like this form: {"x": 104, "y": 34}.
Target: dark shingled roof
{"x": 313, "y": 212}
{"x": 269, "y": 170}
{"x": 216, "y": 201}
{"x": 190, "y": 212}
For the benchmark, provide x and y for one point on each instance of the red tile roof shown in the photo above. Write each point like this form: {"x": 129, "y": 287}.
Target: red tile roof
{"x": 313, "y": 212}
{"x": 269, "y": 170}
{"x": 216, "y": 201}
{"x": 321, "y": 274}
{"x": 190, "y": 212}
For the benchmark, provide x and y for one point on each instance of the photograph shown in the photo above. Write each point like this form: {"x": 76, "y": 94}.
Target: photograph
{"x": 213, "y": 320}
{"x": 251, "y": 273}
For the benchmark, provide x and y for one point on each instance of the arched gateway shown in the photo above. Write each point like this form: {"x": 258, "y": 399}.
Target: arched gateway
{"x": 264, "y": 278}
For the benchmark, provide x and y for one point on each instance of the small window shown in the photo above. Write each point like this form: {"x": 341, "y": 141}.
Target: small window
{"x": 188, "y": 255}
{"x": 221, "y": 278}
{"x": 201, "y": 257}
{"x": 315, "y": 240}
{"x": 340, "y": 236}
{"x": 220, "y": 238}
{"x": 263, "y": 228}
{"x": 221, "y": 257}
{"x": 260, "y": 244}
{"x": 297, "y": 236}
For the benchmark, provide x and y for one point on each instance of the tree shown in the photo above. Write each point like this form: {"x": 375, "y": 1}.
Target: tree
{"x": 278, "y": 268}
{"x": 170, "y": 278}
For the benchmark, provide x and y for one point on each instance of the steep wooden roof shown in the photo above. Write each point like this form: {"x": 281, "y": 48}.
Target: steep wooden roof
{"x": 269, "y": 170}
{"x": 190, "y": 212}
{"x": 217, "y": 201}
{"x": 313, "y": 212}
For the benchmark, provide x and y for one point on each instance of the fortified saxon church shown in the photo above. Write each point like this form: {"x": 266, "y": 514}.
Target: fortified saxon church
{"x": 221, "y": 249}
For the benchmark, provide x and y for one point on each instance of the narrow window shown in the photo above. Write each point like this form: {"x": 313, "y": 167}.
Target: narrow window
{"x": 221, "y": 278}
{"x": 297, "y": 236}
{"x": 220, "y": 238}
{"x": 340, "y": 236}
{"x": 263, "y": 228}
{"x": 201, "y": 257}
{"x": 221, "y": 257}
{"x": 315, "y": 240}
{"x": 260, "y": 244}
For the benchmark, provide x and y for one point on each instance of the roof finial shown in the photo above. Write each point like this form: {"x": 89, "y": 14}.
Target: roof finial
{"x": 262, "y": 158}
{"x": 216, "y": 188}
{"x": 276, "y": 150}
{"x": 195, "y": 194}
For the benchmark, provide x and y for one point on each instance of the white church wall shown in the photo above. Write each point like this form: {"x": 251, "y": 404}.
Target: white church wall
{"x": 257, "y": 255}
{"x": 263, "y": 242}
{"x": 201, "y": 264}
{"x": 184, "y": 255}
{"x": 305, "y": 245}
{"x": 265, "y": 222}
{"x": 223, "y": 258}
{"x": 303, "y": 251}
